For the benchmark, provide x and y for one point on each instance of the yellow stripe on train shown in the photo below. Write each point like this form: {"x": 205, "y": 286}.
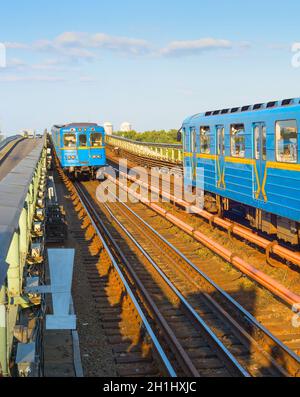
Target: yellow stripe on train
{"x": 237, "y": 160}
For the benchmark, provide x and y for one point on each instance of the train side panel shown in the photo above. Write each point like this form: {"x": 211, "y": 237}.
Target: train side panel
{"x": 265, "y": 183}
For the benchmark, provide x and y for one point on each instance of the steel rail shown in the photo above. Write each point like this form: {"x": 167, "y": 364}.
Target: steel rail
{"x": 229, "y": 358}
{"x": 145, "y": 321}
{"x": 263, "y": 279}
{"x": 294, "y": 359}
{"x": 184, "y": 359}
{"x": 240, "y": 231}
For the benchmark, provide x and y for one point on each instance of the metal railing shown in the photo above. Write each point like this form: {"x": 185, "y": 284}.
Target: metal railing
{"x": 6, "y": 141}
{"x": 18, "y": 196}
{"x": 159, "y": 151}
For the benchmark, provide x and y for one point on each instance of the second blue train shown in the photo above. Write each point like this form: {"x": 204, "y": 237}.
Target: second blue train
{"x": 80, "y": 148}
{"x": 250, "y": 156}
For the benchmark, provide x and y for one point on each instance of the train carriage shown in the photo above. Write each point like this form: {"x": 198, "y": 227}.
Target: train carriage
{"x": 251, "y": 161}
{"x": 80, "y": 148}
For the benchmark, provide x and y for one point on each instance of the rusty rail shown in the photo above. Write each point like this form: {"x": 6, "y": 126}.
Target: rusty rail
{"x": 249, "y": 235}
{"x": 263, "y": 279}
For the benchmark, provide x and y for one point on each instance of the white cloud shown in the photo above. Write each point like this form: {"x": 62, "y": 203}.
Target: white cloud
{"x": 15, "y": 63}
{"x": 193, "y": 47}
{"x": 86, "y": 46}
{"x": 66, "y": 51}
{"x": 122, "y": 44}
{"x": 57, "y": 65}
{"x": 16, "y": 45}
{"x": 83, "y": 45}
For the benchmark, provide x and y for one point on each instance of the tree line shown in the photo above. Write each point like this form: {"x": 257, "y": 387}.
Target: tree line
{"x": 154, "y": 136}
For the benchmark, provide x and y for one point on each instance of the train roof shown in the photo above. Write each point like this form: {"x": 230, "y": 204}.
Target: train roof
{"x": 77, "y": 125}
{"x": 246, "y": 109}
{"x": 82, "y": 125}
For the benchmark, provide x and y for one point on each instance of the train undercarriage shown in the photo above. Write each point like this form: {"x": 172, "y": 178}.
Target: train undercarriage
{"x": 281, "y": 228}
{"x": 83, "y": 172}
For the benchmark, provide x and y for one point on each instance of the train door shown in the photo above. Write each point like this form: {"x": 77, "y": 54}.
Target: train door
{"x": 83, "y": 148}
{"x": 260, "y": 158}
{"x": 194, "y": 151}
{"x": 220, "y": 163}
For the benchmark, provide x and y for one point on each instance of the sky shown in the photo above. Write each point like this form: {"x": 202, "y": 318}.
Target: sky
{"x": 151, "y": 63}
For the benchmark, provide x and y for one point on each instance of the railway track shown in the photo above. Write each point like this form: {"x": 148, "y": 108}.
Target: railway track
{"x": 177, "y": 341}
{"x": 272, "y": 248}
{"x": 236, "y": 328}
{"x": 197, "y": 333}
{"x": 136, "y": 350}
{"x": 272, "y": 311}
{"x": 200, "y": 324}
{"x": 176, "y": 168}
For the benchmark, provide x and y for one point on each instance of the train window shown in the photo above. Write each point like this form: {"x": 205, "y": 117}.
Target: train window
{"x": 271, "y": 104}
{"x": 286, "y": 141}
{"x": 260, "y": 139}
{"x": 82, "y": 140}
{"x": 237, "y": 135}
{"x": 205, "y": 140}
{"x": 96, "y": 140}
{"x": 221, "y": 140}
{"x": 287, "y": 102}
{"x": 70, "y": 140}
{"x": 246, "y": 108}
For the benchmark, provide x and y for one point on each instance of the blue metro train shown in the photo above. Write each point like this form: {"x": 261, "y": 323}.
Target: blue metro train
{"x": 251, "y": 161}
{"x": 80, "y": 148}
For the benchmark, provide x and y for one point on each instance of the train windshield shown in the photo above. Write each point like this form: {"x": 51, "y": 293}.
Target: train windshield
{"x": 70, "y": 140}
{"x": 96, "y": 139}
{"x": 82, "y": 140}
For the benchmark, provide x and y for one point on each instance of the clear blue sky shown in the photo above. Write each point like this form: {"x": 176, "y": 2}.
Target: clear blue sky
{"x": 148, "y": 62}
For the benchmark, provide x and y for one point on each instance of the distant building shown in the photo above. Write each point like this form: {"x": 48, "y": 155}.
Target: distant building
{"x": 126, "y": 127}
{"x": 109, "y": 128}
{"x": 28, "y": 133}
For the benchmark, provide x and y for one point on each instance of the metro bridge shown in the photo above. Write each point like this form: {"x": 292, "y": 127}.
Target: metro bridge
{"x": 171, "y": 290}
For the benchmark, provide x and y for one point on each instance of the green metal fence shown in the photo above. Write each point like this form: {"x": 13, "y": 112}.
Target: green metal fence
{"x": 158, "y": 151}
{"x": 15, "y": 237}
